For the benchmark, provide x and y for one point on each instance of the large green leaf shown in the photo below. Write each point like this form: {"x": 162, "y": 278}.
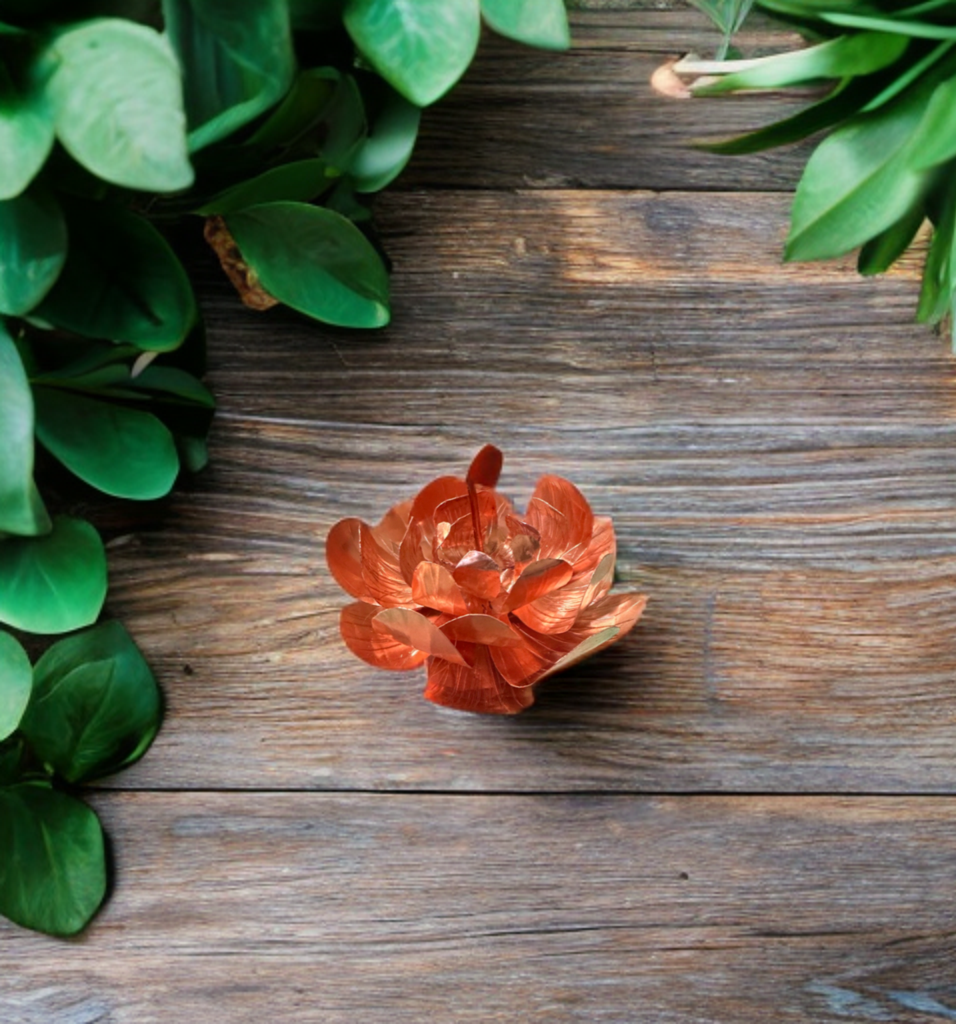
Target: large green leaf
{"x": 301, "y": 180}
{"x": 542, "y": 23}
{"x": 388, "y": 148}
{"x": 121, "y": 281}
{"x": 315, "y": 261}
{"x": 858, "y": 182}
{"x": 21, "y": 510}
{"x": 54, "y": 583}
{"x": 32, "y": 249}
{"x": 26, "y": 132}
{"x": 95, "y": 706}
{"x": 235, "y": 65}
{"x": 52, "y": 859}
{"x": 124, "y": 452}
{"x": 16, "y": 682}
{"x": 422, "y": 47}
{"x": 116, "y": 95}
{"x": 936, "y": 141}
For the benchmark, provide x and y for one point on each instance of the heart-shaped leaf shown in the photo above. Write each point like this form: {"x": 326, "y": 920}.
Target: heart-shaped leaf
{"x": 121, "y": 281}
{"x": 16, "y": 682}
{"x": 542, "y": 23}
{"x": 422, "y": 47}
{"x": 235, "y": 65}
{"x": 315, "y": 261}
{"x": 26, "y": 131}
{"x": 32, "y": 249}
{"x": 21, "y": 510}
{"x": 95, "y": 707}
{"x": 54, "y": 583}
{"x": 121, "y": 451}
{"x": 116, "y": 94}
{"x": 52, "y": 859}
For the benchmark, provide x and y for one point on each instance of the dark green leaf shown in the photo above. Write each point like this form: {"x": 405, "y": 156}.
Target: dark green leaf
{"x": 21, "y": 510}
{"x": 54, "y": 583}
{"x": 116, "y": 95}
{"x": 121, "y": 281}
{"x": 315, "y": 261}
{"x": 316, "y": 15}
{"x": 11, "y": 760}
{"x": 193, "y": 452}
{"x": 300, "y": 111}
{"x": 422, "y": 47}
{"x": 937, "y": 288}
{"x": 52, "y": 859}
{"x": 914, "y": 29}
{"x": 124, "y": 452}
{"x": 858, "y": 182}
{"x": 32, "y": 249}
{"x": 388, "y": 148}
{"x": 936, "y": 142}
{"x": 542, "y": 23}
{"x": 235, "y": 66}
{"x": 26, "y": 132}
{"x": 301, "y": 181}
{"x": 95, "y": 706}
{"x": 883, "y": 250}
{"x": 16, "y": 682}
{"x": 173, "y": 381}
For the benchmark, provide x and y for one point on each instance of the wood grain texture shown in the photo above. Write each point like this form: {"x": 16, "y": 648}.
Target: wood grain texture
{"x": 388, "y": 908}
{"x": 589, "y": 118}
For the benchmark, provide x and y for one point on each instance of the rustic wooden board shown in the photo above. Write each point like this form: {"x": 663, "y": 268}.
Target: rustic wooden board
{"x": 775, "y": 444}
{"x": 390, "y": 908}
{"x": 589, "y": 118}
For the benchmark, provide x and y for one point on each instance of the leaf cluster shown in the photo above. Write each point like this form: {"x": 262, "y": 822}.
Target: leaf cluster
{"x": 887, "y": 165}
{"x": 88, "y": 708}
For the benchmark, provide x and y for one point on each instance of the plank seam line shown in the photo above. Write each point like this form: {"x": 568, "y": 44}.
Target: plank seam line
{"x": 602, "y": 793}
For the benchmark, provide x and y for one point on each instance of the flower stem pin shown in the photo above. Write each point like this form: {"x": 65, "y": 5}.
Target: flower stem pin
{"x": 491, "y": 602}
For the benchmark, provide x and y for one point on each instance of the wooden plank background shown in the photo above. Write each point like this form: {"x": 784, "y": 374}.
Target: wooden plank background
{"x": 743, "y": 812}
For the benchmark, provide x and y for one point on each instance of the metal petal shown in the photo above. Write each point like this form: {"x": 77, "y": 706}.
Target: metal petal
{"x": 562, "y": 495}
{"x": 433, "y": 586}
{"x": 372, "y": 645}
{"x": 556, "y": 612}
{"x": 412, "y": 628}
{"x": 481, "y": 688}
{"x": 433, "y": 494}
{"x": 485, "y": 468}
{"x": 380, "y": 570}
{"x": 601, "y": 580}
{"x": 536, "y": 580}
{"x": 479, "y": 575}
{"x": 552, "y": 528}
{"x": 481, "y": 629}
{"x": 343, "y": 553}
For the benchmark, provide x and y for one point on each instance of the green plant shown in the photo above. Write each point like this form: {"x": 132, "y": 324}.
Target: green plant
{"x": 88, "y": 708}
{"x": 266, "y": 128}
{"x": 887, "y": 165}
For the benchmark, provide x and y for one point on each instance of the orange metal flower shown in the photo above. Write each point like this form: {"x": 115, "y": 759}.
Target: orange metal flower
{"x": 492, "y": 602}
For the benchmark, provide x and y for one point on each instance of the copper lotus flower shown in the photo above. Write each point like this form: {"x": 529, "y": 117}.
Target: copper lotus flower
{"x": 491, "y": 601}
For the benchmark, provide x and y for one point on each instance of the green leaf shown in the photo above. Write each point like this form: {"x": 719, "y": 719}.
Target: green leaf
{"x": 936, "y": 142}
{"x": 845, "y": 56}
{"x": 937, "y": 287}
{"x": 884, "y": 249}
{"x": 422, "y": 47}
{"x": 95, "y": 707}
{"x": 316, "y": 15}
{"x": 388, "y": 148}
{"x": 235, "y": 66}
{"x": 302, "y": 180}
{"x": 315, "y": 261}
{"x": 16, "y": 682}
{"x": 121, "y": 281}
{"x": 52, "y": 859}
{"x": 54, "y": 583}
{"x": 26, "y": 132}
{"x": 124, "y": 452}
{"x": 21, "y": 510}
{"x": 727, "y": 15}
{"x": 116, "y": 96}
{"x": 915, "y": 29}
{"x": 170, "y": 380}
{"x": 32, "y": 249}
{"x": 858, "y": 182}
{"x": 542, "y": 23}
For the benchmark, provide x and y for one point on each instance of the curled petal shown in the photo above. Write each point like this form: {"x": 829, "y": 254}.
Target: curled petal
{"x": 413, "y": 629}
{"x": 433, "y": 586}
{"x": 571, "y": 503}
{"x": 480, "y": 688}
{"x": 621, "y": 610}
{"x": 479, "y": 575}
{"x": 455, "y": 508}
{"x": 380, "y": 570}
{"x": 587, "y": 647}
{"x": 393, "y": 525}
{"x": 536, "y": 580}
{"x": 602, "y": 542}
{"x": 343, "y": 553}
{"x": 433, "y": 494}
{"x": 371, "y": 644}
{"x": 601, "y": 580}
{"x": 481, "y": 629}
{"x": 485, "y": 467}
{"x": 413, "y": 549}
{"x": 552, "y": 528}
{"x": 555, "y": 612}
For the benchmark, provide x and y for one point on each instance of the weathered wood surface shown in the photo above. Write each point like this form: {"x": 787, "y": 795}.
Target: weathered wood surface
{"x": 388, "y": 908}
{"x": 775, "y": 444}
